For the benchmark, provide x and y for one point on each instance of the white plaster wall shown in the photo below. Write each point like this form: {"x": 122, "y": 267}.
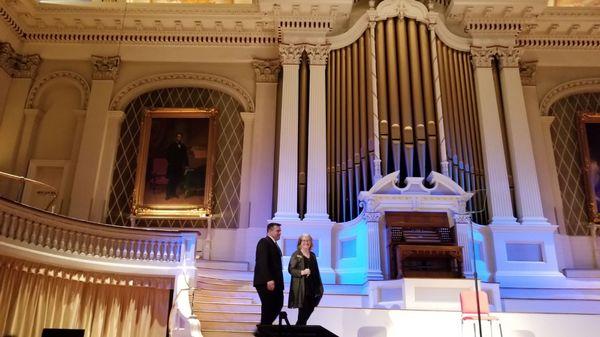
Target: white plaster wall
{"x": 57, "y": 125}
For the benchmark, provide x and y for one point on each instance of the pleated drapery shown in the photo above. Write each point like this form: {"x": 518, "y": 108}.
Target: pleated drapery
{"x": 35, "y": 297}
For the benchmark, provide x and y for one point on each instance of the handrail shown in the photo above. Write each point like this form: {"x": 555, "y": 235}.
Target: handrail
{"x": 24, "y": 180}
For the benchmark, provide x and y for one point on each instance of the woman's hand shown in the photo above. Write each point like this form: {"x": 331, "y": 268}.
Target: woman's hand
{"x": 306, "y": 272}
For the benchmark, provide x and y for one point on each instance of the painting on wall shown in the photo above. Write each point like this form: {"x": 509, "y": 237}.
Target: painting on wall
{"x": 175, "y": 163}
{"x": 589, "y": 135}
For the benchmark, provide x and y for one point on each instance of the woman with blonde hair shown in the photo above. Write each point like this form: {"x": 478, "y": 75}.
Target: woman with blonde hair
{"x": 306, "y": 288}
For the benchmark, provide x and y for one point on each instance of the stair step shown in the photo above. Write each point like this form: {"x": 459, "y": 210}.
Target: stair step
{"x": 228, "y": 307}
{"x": 222, "y": 265}
{"x": 200, "y": 299}
{"x": 229, "y": 326}
{"x": 219, "y": 333}
{"x": 214, "y": 280}
{"x": 229, "y": 287}
{"x": 204, "y": 316}
{"x": 227, "y": 293}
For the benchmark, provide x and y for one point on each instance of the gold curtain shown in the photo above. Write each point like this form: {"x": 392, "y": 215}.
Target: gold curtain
{"x": 348, "y": 129}
{"x": 37, "y": 297}
{"x": 461, "y": 125}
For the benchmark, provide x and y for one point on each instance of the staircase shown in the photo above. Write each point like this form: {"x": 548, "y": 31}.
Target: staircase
{"x": 224, "y": 300}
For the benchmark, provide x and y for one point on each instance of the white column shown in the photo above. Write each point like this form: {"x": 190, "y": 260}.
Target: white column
{"x": 316, "y": 196}
{"x": 248, "y": 119}
{"x": 87, "y": 172}
{"x": 527, "y": 190}
{"x": 287, "y": 177}
{"x": 374, "y": 249}
{"x": 107, "y": 164}
{"x": 496, "y": 173}
{"x": 260, "y": 206}
{"x": 376, "y": 159}
{"x": 439, "y": 113}
{"x": 542, "y": 147}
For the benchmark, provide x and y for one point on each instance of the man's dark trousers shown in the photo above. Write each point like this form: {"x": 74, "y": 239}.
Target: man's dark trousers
{"x": 271, "y": 304}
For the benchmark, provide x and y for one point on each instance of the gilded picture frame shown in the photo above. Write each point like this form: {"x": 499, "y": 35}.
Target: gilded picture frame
{"x": 589, "y": 138}
{"x": 175, "y": 164}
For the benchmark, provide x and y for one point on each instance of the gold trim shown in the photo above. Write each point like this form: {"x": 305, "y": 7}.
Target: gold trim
{"x": 142, "y": 210}
{"x": 591, "y": 207}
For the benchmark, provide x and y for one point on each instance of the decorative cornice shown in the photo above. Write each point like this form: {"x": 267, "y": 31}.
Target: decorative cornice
{"x": 105, "y": 67}
{"x": 290, "y": 53}
{"x": 73, "y": 77}
{"x": 482, "y": 56}
{"x": 267, "y": 71}
{"x": 527, "y": 71}
{"x": 145, "y": 84}
{"x": 350, "y": 35}
{"x": 509, "y": 57}
{"x": 317, "y": 54}
{"x": 18, "y": 65}
{"x": 563, "y": 90}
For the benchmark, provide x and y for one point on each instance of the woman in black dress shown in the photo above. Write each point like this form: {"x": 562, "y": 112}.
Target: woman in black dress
{"x": 306, "y": 288}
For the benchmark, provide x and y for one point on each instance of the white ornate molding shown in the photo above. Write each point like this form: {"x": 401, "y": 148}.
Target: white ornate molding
{"x": 402, "y": 8}
{"x": 105, "y": 67}
{"x": 18, "y": 65}
{"x": 581, "y": 86}
{"x": 509, "y": 56}
{"x": 317, "y": 54}
{"x": 290, "y": 53}
{"x": 80, "y": 83}
{"x": 482, "y": 56}
{"x": 267, "y": 70}
{"x": 167, "y": 80}
{"x": 527, "y": 71}
{"x": 450, "y": 39}
{"x": 350, "y": 35}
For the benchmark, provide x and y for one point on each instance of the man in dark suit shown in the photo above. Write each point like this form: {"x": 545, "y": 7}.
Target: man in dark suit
{"x": 177, "y": 158}
{"x": 268, "y": 275}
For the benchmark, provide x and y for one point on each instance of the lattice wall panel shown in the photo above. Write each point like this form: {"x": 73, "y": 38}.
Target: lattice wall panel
{"x": 228, "y": 163}
{"x": 568, "y": 157}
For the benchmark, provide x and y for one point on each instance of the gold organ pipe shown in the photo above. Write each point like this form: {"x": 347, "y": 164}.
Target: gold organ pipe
{"x": 338, "y": 138}
{"x": 454, "y": 109}
{"x": 458, "y": 122}
{"x": 446, "y": 106}
{"x": 349, "y": 133}
{"x": 343, "y": 139}
{"x": 392, "y": 88}
{"x": 363, "y": 93}
{"x": 417, "y": 96}
{"x": 465, "y": 130}
{"x": 382, "y": 102}
{"x": 329, "y": 128}
{"x": 406, "y": 104}
{"x": 427, "y": 75}
{"x": 302, "y": 134}
{"x": 355, "y": 120}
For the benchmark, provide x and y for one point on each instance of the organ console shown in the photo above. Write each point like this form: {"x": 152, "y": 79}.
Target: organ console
{"x": 422, "y": 244}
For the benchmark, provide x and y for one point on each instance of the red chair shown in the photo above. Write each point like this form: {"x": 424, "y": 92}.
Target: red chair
{"x": 158, "y": 176}
{"x": 468, "y": 307}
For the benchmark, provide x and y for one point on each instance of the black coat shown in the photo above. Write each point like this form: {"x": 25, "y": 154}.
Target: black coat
{"x": 268, "y": 264}
{"x": 177, "y": 158}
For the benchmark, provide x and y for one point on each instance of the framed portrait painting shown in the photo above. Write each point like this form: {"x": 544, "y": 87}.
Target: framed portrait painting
{"x": 175, "y": 163}
{"x": 589, "y": 136}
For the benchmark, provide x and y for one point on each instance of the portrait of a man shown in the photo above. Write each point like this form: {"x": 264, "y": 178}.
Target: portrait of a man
{"x": 589, "y": 133}
{"x": 177, "y": 151}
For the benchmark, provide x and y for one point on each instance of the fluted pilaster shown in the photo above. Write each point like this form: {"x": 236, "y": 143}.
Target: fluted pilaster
{"x": 316, "y": 198}
{"x": 527, "y": 190}
{"x": 498, "y": 191}
{"x": 287, "y": 178}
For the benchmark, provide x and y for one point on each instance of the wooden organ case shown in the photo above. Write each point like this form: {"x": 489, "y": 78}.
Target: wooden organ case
{"x": 422, "y": 244}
